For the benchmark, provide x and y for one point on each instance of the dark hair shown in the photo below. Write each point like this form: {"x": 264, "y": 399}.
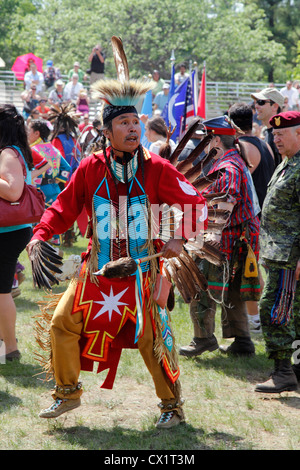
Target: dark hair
{"x": 96, "y": 122}
{"x": 41, "y": 126}
{"x": 230, "y": 141}
{"x": 242, "y": 115}
{"x": 279, "y": 109}
{"x": 13, "y": 132}
{"x": 158, "y": 125}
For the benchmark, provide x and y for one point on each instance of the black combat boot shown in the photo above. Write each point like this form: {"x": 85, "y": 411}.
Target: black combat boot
{"x": 241, "y": 346}
{"x": 296, "y": 369}
{"x": 198, "y": 346}
{"x": 282, "y": 379}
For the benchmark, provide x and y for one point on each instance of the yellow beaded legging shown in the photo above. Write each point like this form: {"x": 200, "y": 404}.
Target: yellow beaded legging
{"x": 65, "y": 335}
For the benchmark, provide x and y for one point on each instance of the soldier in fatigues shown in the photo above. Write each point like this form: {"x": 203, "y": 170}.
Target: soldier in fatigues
{"x": 280, "y": 252}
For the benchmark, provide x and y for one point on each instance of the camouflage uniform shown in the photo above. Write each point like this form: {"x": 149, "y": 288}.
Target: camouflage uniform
{"x": 280, "y": 251}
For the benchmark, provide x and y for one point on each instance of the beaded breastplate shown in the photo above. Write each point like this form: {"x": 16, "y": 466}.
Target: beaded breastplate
{"x": 122, "y": 226}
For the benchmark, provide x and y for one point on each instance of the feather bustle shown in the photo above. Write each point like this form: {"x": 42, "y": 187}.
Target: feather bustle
{"x": 199, "y": 278}
{"x": 177, "y": 151}
{"x": 208, "y": 157}
{"x": 182, "y": 165}
{"x": 193, "y": 173}
{"x": 206, "y": 181}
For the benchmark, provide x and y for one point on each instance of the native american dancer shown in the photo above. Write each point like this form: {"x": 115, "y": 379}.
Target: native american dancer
{"x": 121, "y": 188}
{"x": 64, "y": 137}
{"x": 65, "y": 133}
{"x": 48, "y": 181}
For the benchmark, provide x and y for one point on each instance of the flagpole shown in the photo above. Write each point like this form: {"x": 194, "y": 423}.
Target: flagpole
{"x": 196, "y": 87}
{"x": 204, "y": 65}
{"x": 172, "y": 59}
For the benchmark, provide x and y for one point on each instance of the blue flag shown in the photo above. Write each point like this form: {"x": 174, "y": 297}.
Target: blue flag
{"x": 181, "y": 106}
{"x": 146, "y": 109}
{"x": 177, "y": 107}
{"x": 165, "y": 112}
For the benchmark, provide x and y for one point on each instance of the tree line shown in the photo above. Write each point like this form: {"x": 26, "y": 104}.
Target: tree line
{"x": 254, "y": 40}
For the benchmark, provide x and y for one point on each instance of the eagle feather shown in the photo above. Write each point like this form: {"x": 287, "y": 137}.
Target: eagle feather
{"x": 120, "y": 59}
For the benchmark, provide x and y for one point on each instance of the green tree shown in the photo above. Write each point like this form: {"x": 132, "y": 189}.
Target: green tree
{"x": 239, "y": 47}
{"x": 9, "y": 9}
{"x": 296, "y": 74}
{"x": 233, "y": 38}
{"x": 282, "y": 19}
{"x": 54, "y": 31}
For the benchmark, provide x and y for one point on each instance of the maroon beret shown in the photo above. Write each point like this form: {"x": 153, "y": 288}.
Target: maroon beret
{"x": 286, "y": 119}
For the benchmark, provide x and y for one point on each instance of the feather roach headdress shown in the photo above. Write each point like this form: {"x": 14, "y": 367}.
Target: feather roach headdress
{"x": 64, "y": 118}
{"x": 122, "y": 94}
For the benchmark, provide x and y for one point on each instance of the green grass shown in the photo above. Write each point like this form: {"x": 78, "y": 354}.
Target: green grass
{"x": 222, "y": 410}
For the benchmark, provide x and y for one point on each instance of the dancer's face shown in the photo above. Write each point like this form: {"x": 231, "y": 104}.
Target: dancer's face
{"x": 125, "y": 134}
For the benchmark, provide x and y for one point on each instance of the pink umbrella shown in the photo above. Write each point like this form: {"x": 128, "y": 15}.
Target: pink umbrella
{"x": 22, "y": 63}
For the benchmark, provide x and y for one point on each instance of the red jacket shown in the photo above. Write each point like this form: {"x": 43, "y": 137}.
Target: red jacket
{"x": 163, "y": 184}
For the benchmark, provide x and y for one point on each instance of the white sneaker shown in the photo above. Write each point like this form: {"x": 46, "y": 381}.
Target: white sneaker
{"x": 254, "y": 325}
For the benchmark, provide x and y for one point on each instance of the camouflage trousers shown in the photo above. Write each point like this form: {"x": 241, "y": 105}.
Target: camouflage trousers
{"x": 234, "y": 318}
{"x": 279, "y": 309}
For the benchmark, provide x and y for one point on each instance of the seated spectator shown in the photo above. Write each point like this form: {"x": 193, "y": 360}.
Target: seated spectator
{"x": 72, "y": 89}
{"x": 30, "y": 99}
{"x": 42, "y": 108}
{"x": 57, "y": 96}
{"x": 82, "y": 104}
{"x": 33, "y": 77}
{"x": 33, "y": 115}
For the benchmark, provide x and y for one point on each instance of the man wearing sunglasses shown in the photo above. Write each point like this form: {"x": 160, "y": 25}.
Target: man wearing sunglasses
{"x": 269, "y": 102}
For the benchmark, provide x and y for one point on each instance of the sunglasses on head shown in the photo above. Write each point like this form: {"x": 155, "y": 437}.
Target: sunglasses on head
{"x": 262, "y": 102}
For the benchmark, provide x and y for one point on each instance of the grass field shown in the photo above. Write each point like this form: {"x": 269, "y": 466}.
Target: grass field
{"x": 222, "y": 410}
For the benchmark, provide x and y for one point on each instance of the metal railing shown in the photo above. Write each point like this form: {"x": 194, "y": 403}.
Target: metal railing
{"x": 219, "y": 95}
